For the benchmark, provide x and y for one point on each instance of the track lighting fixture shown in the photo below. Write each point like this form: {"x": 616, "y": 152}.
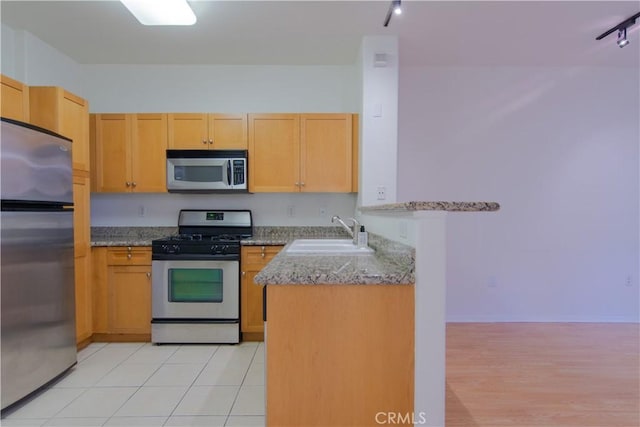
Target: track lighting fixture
{"x": 622, "y": 37}
{"x": 622, "y": 30}
{"x": 394, "y": 8}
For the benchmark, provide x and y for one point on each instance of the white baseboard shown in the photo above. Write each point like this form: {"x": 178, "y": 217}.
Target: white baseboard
{"x": 541, "y": 319}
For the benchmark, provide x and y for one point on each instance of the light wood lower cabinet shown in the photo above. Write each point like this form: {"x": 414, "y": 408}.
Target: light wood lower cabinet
{"x": 337, "y": 355}
{"x": 253, "y": 259}
{"x": 122, "y": 293}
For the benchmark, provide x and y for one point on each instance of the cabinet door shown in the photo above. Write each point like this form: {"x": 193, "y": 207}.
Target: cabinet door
{"x": 274, "y": 153}
{"x": 228, "y": 131}
{"x": 81, "y": 215}
{"x": 254, "y": 258}
{"x": 129, "y": 299}
{"x": 74, "y": 124}
{"x": 113, "y": 165}
{"x": 84, "y": 301}
{"x": 82, "y": 247}
{"x": 326, "y": 152}
{"x": 15, "y": 99}
{"x": 188, "y": 131}
{"x": 148, "y": 153}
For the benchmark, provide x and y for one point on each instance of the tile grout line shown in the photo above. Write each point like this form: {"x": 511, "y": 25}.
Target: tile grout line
{"x": 192, "y": 383}
{"x": 86, "y": 388}
{"x": 235, "y": 399}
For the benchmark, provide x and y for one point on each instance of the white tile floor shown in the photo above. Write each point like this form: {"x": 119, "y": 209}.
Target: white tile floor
{"x": 139, "y": 384}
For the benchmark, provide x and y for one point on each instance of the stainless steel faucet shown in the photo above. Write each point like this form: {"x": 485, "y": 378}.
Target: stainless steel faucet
{"x": 353, "y": 231}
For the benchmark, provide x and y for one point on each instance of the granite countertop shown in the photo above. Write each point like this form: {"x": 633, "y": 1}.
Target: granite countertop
{"x": 434, "y": 206}
{"x": 128, "y": 236}
{"x": 262, "y": 236}
{"x": 391, "y": 264}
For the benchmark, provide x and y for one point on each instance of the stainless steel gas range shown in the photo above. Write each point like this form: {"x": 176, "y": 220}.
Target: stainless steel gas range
{"x": 196, "y": 278}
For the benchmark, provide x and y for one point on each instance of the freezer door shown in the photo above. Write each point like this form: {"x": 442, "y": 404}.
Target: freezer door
{"x": 37, "y": 300}
{"x": 35, "y": 164}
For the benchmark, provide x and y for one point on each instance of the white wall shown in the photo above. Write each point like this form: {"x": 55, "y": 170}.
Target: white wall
{"x": 558, "y": 149}
{"x": 30, "y": 60}
{"x": 268, "y": 209}
{"x": 378, "y": 120}
{"x": 220, "y": 88}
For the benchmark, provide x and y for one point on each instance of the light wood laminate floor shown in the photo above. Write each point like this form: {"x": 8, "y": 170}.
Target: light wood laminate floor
{"x": 543, "y": 374}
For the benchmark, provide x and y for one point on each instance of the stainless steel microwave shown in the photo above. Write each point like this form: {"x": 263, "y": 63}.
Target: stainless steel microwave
{"x": 207, "y": 171}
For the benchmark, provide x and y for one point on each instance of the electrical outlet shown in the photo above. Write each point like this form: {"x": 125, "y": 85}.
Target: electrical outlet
{"x": 291, "y": 211}
{"x": 322, "y": 211}
{"x": 141, "y": 210}
{"x": 628, "y": 281}
{"x": 382, "y": 193}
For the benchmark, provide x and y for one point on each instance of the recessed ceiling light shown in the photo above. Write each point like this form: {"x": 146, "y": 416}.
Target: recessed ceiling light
{"x": 161, "y": 12}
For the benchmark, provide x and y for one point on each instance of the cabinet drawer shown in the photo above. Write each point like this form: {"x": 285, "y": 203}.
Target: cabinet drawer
{"x": 259, "y": 254}
{"x": 129, "y": 256}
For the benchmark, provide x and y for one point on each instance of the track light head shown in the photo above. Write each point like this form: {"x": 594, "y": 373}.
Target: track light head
{"x": 622, "y": 37}
{"x": 397, "y": 8}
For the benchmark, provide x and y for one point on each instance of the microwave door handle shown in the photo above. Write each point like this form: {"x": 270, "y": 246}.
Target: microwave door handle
{"x": 229, "y": 173}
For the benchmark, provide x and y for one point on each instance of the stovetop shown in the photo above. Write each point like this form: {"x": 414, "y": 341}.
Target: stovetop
{"x": 205, "y": 234}
{"x": 205, "y": 239}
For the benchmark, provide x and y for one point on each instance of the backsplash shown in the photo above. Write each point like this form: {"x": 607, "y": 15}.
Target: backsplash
{"x": 276, "y": 209}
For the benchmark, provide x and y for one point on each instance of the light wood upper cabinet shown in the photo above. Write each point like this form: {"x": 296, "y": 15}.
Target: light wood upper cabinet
{"x": 63, "y": 112}
{"x": 274, "y": 153}
{"x": 207, "y": 131}
{"x": 15, "y": 99}
{"x": 300, "y": 152}
{"x": 130, "y": 152}
{"x": 325, "y": 152}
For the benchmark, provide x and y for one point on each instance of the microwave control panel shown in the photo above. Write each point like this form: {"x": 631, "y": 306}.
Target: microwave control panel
{"x": 238, "y": 172}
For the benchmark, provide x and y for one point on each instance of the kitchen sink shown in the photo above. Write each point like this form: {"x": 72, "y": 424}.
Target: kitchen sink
{"x": 326, "y": 247}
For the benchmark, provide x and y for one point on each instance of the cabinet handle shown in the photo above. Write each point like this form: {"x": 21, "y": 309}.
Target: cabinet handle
{"x": 148, "y": 275}
{"x": 128, "y": 184}
{"x": 302, "y": 184}
{"x": 133, "y": 184}
{"x": 211, "y": 141}
{"x": 204, "y": 141}
{"x": 244, "y": 273}
{"x": 128, "y": 256}
{"x": 297, "y": 184}
{"x": 129, "y": 248}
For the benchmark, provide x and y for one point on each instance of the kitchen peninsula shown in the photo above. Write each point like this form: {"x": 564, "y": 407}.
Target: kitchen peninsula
{"x": 352, "y": 338}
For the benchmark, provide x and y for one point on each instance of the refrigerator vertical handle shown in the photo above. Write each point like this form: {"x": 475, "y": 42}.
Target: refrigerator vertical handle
{"x": 264, "y": 303}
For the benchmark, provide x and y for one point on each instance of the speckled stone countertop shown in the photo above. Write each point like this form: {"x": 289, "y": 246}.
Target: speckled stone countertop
{"x": 391, "y": 264}
{"x": 128, "y": 236}
{"x": 283, "y": 235}
{"x": 434, "y": 206}
{"x": 142, "y": 236}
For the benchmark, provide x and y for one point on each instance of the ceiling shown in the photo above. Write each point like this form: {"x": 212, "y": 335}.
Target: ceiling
{"x": 433, "y": 33}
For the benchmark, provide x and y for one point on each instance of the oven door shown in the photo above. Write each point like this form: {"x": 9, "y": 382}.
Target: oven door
{"x": 195, "y": 290}
{"x": 199, "y": 174}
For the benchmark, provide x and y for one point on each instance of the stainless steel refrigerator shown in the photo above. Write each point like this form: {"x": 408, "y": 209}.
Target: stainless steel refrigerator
{"x": 36, "y": 251}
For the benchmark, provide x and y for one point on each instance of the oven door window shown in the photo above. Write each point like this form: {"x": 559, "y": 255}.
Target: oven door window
{"x": 195, "y": 284}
